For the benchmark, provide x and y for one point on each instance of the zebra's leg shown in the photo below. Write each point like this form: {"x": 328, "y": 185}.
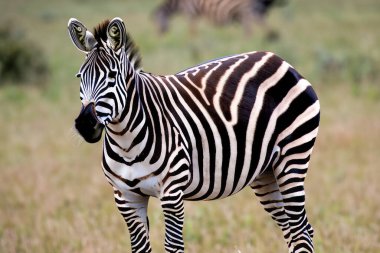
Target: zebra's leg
{"x": 290, "y": 173}
{"x": 173, "y": 208}
{"x": 134, "y": 211}
{"x": 267, "y": 190}
{"x": 171, "y": 197}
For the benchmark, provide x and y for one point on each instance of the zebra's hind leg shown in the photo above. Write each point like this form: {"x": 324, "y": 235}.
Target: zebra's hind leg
{"x": 290, "y": 172}
{"x": 267, "y": 190}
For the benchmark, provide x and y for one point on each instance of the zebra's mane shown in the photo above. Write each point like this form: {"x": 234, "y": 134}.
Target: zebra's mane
{"x": 100, "y": 34}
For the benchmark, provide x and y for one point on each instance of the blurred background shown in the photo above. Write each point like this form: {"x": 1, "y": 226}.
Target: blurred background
{"x": 54, "y": 196}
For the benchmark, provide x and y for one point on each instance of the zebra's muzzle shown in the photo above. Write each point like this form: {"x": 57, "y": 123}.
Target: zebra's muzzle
{"x": 88, "y": 124}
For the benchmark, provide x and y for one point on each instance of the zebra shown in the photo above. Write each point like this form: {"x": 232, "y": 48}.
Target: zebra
{"x": 220, "y": 12}
{"x": 204, "y": 133}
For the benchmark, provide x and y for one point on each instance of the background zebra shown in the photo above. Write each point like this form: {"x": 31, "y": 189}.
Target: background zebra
{"x": 204, "y": 133}
{"x": 220, "y": 12}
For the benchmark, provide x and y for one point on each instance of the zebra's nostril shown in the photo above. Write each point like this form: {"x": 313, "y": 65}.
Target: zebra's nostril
{"x": 88, "y": 124}
{"x": 89, "y": 114}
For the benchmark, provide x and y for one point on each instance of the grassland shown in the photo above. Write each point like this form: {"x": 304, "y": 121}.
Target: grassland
{"x": 54, "y": 197}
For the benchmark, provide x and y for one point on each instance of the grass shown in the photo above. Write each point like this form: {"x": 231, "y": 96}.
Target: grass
{"x": 55, "y": 198}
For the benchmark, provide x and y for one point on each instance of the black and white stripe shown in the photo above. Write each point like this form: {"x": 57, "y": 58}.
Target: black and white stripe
{"x": 205, "y": 133}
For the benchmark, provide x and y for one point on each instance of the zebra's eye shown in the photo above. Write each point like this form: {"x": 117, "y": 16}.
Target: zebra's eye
{"x": 78, "y": 75}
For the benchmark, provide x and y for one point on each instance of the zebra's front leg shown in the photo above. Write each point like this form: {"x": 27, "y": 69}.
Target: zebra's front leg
{"x": 173, "y": 208}
{"x": 133, "y": 208}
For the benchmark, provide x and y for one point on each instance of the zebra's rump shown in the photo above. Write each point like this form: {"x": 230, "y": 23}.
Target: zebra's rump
{"x": 232, "y": 113}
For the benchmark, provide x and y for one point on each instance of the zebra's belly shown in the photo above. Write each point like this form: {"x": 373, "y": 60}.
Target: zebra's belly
{"x": 210, "y": 184}
{"x": 203, "y": 195}
{"x": 227, "y": 171}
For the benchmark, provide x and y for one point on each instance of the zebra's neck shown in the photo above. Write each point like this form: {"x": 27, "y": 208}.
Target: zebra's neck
{"x": 138, "y": 130}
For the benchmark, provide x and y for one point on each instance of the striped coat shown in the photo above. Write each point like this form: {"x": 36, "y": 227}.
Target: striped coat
{"x": 204, "y": 133}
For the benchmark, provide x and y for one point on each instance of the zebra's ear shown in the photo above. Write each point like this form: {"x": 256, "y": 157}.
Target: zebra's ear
{"x": 80, "y": 36}
{"x": 116, "y": 34}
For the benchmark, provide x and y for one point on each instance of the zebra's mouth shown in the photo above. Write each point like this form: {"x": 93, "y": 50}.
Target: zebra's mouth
{"x": 88, "y": 124}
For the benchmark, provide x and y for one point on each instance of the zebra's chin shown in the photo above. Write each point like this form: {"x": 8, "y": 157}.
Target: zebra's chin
{"x": 88, "y": 124}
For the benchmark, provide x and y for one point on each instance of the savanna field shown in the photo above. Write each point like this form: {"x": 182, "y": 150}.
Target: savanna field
{"x": 54, "y": 196}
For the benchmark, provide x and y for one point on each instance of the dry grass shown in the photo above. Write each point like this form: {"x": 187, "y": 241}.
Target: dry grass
{"x": 54, "y": 197}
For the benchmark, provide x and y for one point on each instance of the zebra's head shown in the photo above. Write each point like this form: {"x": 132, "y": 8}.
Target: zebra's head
{"x": 102, "y": 75}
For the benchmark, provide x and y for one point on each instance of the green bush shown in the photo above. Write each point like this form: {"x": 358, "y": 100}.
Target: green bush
{"x": 21, "y": 61}
{"x": 349, "y": 66}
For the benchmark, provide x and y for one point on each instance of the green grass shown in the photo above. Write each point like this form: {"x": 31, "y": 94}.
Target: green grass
{"x": 55, "y": 198}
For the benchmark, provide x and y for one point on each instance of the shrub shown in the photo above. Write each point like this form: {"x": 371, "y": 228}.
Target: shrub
{"x": 350, "y": 66}
{"x": 21, "y": 61}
